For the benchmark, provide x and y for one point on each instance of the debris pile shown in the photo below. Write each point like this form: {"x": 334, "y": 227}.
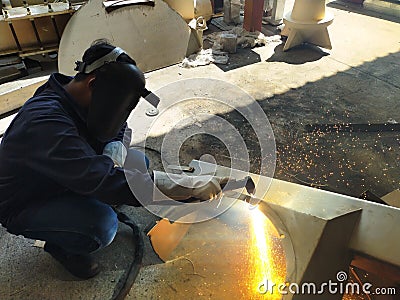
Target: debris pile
{"x": 216, "y": 53}
{"x": 245, "y": 39}
{"x": 205, "y": 57}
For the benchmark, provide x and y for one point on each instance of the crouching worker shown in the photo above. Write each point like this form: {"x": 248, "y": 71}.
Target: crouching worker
{"x": 62, "y": 159}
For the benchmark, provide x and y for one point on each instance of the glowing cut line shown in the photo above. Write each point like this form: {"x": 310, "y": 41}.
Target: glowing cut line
{"x": 264, "y": 261}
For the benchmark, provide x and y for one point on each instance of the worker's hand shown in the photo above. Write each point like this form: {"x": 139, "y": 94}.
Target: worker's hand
{"x": 183, "y": 187}
{"x": 117, "y": 152}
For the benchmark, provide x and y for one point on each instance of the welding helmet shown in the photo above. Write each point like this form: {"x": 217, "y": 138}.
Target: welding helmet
{"x": 116, "y": 91}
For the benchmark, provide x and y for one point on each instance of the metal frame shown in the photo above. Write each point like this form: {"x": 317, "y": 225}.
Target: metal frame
{"x": 322, "y": 230}
{"x": 22, "y": 23}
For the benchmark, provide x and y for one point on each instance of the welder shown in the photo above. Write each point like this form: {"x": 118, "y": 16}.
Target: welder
{"x": 65, "y": 159}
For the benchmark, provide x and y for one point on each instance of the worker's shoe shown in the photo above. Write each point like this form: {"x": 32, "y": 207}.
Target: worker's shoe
{"x": 81, "y": 266}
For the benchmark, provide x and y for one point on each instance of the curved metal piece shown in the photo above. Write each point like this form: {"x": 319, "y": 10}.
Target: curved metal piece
{"x": 320, "y": 229}
{"x": 138, "y": 29}
{"x": 307, "y": 23}
{"x": 192, "y": 9}
{"x": 286, "y": 239}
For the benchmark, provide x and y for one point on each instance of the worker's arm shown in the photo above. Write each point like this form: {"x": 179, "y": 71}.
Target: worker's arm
{"x": 124, "y": 136}
{"x": 117, "y": 148}
{"x": 182, "y": 186}
{"x": 57, "y": 151}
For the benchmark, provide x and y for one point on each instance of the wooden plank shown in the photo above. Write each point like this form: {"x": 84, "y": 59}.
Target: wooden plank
{"x": 9, "y": 73}
{"x": 10, "y": 60}
{"x": 35, "y": 51}
{"x": 15, "y": 99}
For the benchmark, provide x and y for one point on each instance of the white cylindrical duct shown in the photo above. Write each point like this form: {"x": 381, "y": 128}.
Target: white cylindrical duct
{"x": 308, "y": 10}
{"x": 203, "y": 8}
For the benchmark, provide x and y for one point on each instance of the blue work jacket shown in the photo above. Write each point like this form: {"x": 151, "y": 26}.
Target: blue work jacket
{"x": 47, "y": 150}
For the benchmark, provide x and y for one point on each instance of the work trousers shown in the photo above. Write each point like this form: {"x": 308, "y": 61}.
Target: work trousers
{"x": 76, "y": 223}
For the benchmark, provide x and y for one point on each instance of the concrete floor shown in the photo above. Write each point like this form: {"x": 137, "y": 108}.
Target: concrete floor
{"x": 356, "y": 82}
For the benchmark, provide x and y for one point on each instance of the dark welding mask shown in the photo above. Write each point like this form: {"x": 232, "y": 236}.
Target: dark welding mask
{"x": 116, "y": 91}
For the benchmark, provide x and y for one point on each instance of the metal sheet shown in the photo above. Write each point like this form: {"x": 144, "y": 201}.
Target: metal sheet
{"x": 228, "y": 257}
{"x": 165, "y": 237}
{"x": 376, "y": 234}
{"x": 138, "y": 29}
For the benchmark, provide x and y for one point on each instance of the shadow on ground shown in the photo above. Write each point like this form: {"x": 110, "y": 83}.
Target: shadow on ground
{"x": 242, "y": 58}
{"x": 359, "y": 9}
{"x": 344, "y": 162}
{"x": 298, "y": 55}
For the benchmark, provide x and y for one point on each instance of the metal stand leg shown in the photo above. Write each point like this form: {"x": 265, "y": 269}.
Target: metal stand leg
{"x": 15, "y": 36}
{"x": 253, "y": 13}
{"x": 53, "y": 19}
{"x": 36, "y": 34}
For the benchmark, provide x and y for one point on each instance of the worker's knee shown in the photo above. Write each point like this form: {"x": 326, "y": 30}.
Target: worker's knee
{"x": 92, "y": 233}
{"x": 75, "y": 223}
{"x": 95, "y": 225}
{"x": 105, "y": 227}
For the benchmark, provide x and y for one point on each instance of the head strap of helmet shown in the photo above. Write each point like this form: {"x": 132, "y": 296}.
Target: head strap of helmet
{"x": 85, "y": 68}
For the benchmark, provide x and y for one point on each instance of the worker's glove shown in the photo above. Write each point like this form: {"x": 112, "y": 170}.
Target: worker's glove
{"x": 117, "y": 152}
{"x": 183, "y": 187}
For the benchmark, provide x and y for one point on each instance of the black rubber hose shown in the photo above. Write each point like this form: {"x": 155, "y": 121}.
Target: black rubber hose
{"x": 137, "y": 260}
